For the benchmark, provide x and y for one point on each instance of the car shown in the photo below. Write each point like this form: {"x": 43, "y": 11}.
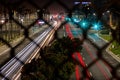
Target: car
{"x": 41, "y": 22}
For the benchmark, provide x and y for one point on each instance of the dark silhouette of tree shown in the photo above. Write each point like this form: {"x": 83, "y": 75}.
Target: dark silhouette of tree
{"x": 54, "y": 64}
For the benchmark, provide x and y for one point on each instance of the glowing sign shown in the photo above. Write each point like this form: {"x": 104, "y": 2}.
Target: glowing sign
{"x": 86, "y": 2}
{"x": 82, "y": 3}
{"x": 76, "y": 2}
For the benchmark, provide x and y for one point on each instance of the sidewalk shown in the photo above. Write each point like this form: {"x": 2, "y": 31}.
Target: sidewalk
{"x": 110, "y": 52}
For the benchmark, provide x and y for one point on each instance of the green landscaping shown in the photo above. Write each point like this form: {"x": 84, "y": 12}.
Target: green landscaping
{"x": 115, "y": 46}
{"x": 55, "y": 62}
{"x": 106, "y": 37}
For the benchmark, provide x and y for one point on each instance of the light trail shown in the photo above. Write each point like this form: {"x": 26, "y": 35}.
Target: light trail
{"x": 80, "y": 59}
{"x": 10, "y": 68}
{"x": 100, "y": 65}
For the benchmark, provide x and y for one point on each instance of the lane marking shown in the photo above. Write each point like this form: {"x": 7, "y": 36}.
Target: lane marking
{"x": 83, "y": 58}
{"x": 90, "y": 73}
{"x": 86, "y": 65}
{"x": 97, "y": 64}
{"x": 78, "y": 53}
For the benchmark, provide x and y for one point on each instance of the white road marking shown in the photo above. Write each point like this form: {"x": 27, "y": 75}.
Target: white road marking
{"x": 90, "y": 73}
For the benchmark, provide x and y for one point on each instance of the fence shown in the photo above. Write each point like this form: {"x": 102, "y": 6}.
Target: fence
{"x": 19, "y": 16}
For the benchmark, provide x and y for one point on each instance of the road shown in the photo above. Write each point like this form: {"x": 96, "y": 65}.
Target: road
{"x": 5, "y": 51}
{"x": 97, "y": 67}
{"x": 99, "y": 42}
{"x": 10, "y": 69}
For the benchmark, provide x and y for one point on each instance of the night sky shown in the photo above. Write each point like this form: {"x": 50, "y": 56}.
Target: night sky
{"x": 54, "y": 5}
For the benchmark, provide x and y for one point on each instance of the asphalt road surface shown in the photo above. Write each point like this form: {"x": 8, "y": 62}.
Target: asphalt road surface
{"x": 12, "y": 68}
{"x": 98, "y": 68}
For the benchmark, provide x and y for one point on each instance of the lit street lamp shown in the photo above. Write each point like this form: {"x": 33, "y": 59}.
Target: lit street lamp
{"x": 2, "y": 21}
{"x": 97, "y": 26}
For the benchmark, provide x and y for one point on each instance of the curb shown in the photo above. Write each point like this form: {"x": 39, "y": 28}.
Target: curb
{"x": 110, "y": 52}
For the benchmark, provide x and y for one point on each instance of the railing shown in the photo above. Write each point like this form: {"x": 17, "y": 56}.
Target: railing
{"x": 17, "y": 17}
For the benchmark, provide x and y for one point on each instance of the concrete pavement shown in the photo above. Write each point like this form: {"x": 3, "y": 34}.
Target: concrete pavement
{"x": 117, "y": 58}
{"x": 110, "y": 58}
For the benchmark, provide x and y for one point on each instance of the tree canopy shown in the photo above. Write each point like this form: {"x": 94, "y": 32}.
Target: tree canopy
{"x": 54, "y": 64}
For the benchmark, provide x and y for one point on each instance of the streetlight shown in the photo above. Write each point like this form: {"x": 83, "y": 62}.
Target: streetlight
{"x": 94, "y": 14}
{"x": 2, "y": 21}
{"x": 88, "y": 8}
{"x": 84, "y": 24}
{"x": 97, "y": 26}
{"x": 108, "y": 11}
{"x": 103, "y": 14}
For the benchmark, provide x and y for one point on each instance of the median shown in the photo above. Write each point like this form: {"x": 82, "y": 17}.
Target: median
{"x": 114, "y": 47}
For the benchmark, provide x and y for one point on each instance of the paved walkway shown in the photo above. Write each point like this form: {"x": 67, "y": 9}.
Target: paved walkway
{"x": 117, "y": 58}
